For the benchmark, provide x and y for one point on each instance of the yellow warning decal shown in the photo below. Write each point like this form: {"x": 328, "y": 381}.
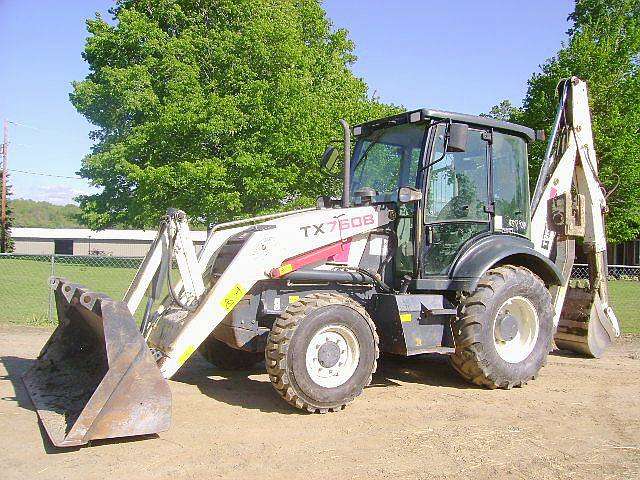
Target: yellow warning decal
{"x": 294, "y": 298}
{"x": 284, "y": 269}
{"x": 234, "y": 296}
{"x": 405, "y": 317}
{"x": 186, "y": 354}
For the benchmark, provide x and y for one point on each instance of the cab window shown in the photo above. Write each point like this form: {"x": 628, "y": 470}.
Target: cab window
{"x": 457, "y": 184}
{"x": 510, "y": 184}
{"x": 456, "y": 201}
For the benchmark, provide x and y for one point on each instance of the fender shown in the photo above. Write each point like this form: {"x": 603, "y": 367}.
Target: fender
{"x": 480, "y": 255}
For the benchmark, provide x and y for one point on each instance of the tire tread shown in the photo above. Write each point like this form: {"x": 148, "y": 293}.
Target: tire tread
{"x": 278, "y": 342}
{"x": 469, "y": 359}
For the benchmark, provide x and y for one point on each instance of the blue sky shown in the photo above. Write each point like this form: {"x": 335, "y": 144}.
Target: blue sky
{"x": 462, "y": 55}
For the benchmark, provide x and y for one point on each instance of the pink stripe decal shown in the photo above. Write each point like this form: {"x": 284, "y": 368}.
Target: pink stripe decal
{"x": 338, "y": 252}
{"x": 343, "y": 255}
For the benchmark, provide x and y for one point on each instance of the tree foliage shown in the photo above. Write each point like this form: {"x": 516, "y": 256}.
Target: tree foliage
{"x": 6, "y": 242}
{"x": 504, "y": 111}
{"x": 604, "y": 49}
{"x": 221, "y": 108}
{"x": 31, "y": 213}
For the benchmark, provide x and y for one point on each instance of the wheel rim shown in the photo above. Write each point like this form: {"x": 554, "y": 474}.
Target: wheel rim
{"x": 515, "y": 329}
{"x": 332, "y": 356}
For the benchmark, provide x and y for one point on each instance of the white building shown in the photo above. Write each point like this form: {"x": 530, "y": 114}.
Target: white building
{"x": 82, "y": 241}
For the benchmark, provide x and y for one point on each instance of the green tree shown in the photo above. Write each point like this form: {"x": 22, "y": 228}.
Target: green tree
{"x": 604, "y": 49}
{"x": 504, "y": 111}
{"x": 31, "y": 213}
{"x": 221, "y": 108}
{"x": 6, "y": 242}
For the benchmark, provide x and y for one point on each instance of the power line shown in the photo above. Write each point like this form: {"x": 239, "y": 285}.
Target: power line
{"x": 49, "y": 130}
{"x": 23, "y": 172}
{"x": 38, "y": 129}
{"x": 44, "y": 174}
{"x": 18, "y": 124}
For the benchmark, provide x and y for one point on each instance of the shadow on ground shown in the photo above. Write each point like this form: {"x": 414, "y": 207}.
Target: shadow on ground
{"x": 428, "y": 369}
{"x": 233, "y": 387}
{"x": 16, "y": 367}
{"x": 239, "y": 388}
{"x": 567, "y": 354}
{"x": 243, "y": 389}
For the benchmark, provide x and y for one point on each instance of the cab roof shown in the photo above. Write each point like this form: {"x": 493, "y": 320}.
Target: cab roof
{"x": 422, "y": 114}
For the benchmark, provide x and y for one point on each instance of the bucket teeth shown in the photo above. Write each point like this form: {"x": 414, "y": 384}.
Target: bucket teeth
{"x": 86, "y": 298}
{"x": 55, "y": 281}
{"x": 69, "y": 290}
{"x": 95, "y": 377}
{"x": 90, "y": 300}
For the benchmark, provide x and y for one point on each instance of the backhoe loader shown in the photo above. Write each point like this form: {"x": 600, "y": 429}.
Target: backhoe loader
{"x": 435, "y": 246}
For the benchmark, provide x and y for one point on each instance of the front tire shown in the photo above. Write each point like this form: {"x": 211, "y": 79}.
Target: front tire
{"x": 322, "y": 352}
{"x": 504, "y": 331}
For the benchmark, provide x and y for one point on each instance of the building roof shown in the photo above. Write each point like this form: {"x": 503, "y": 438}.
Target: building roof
{"x": 86, "y": 234}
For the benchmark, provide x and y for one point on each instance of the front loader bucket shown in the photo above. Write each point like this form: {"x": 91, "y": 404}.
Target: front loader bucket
{"x": 95, "y": 377}
{"x": 584, "y": 327}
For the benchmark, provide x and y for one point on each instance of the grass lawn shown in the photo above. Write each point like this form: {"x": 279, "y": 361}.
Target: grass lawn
{"x": 24, "y": 293}
{"x": 24, "y": 290}
{"x": 625, "y": 299}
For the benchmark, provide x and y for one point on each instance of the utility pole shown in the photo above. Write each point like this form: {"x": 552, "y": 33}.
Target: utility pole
{"x": 5, "y": 166}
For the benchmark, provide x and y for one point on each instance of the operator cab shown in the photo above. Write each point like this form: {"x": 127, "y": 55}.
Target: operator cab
{"x": 467, "y": 177}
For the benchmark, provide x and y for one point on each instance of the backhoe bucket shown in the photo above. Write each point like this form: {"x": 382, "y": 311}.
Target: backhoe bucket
{"x": 584, "y": 325}
{"x": 95, "y": 377}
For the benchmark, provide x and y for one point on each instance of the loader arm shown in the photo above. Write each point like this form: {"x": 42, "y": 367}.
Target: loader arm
{"x": 175, "y": 332}
{"x": 153, "y": 270}
{"x": 569, "y": 203}
{"x": 172, "y": 241}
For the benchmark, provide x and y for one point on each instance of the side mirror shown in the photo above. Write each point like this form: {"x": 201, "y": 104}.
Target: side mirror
{"x": 329, "y": 158}
{"x": 409, "y": 195}
{"x": 457, "y": 137}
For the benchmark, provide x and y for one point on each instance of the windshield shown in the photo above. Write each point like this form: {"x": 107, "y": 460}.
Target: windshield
{"x": 387, "y": 159}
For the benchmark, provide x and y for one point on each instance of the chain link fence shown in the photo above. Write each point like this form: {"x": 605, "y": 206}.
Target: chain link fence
{"x": 616, "y": 272}
{"x": 25, "y": 296}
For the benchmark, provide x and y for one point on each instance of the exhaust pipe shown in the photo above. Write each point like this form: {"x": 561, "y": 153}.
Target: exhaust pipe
{"x": 347, "y": 163}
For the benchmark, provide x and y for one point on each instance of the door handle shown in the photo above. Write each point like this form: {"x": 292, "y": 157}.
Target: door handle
{"x": 429, "y": 235}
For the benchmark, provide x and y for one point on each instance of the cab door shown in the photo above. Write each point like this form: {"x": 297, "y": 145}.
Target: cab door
{"x": 457, "y": 200}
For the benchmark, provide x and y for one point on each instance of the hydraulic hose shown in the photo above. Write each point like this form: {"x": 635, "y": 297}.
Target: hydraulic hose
{"x": 378, "y": 281}
{"x": 175, "y": 297}
{"x": 393, "y": 236}
{"x": 548, "y": 157}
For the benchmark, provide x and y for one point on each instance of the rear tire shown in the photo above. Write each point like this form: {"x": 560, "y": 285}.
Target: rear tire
{"x": 322, "y": 352}
{"x": 504, "y": 330}
{"x": 222, "y": 355}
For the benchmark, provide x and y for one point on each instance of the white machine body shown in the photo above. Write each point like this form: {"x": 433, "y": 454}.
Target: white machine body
{"x": 264, "y": 255}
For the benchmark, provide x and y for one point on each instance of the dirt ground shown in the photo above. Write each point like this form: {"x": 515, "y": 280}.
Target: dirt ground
{"x": 579, "y": 420}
